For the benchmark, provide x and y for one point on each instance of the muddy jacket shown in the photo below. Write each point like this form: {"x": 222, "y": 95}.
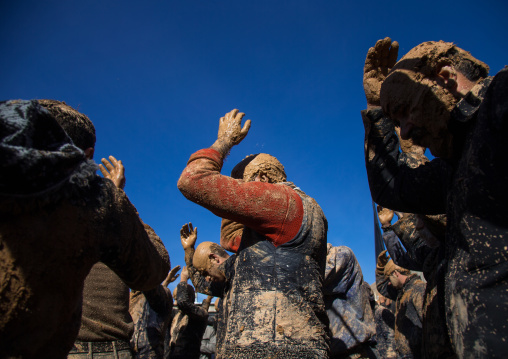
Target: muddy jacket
{"x": 188, "y": 326}
{"x": 426, "y": 257}
{"x": 272, "y": 301}
{"x": 384, "y": 319}
{"x": 471, "y": 190}
{"x": 408, "y": 318}
{"x": 58, "y": 218}
{"x": 151, "y": 313}
{"x": 346, "y": 301}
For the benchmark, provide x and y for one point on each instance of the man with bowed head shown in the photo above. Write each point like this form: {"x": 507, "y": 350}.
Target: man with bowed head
{"x": 442, "y": 99}
{"x": 273, "y": 302}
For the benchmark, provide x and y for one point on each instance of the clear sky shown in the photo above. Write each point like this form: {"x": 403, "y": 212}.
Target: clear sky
{"x": 156, "y": 76}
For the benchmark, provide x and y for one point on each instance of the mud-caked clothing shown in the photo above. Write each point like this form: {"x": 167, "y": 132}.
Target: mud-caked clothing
{"x": 272, "y": 301}
{"x": 471, "y": 189}
{"x": 58, "y": 218}
{"x": 425, "y": 255}
{"x": 384, "y": 318}
{"x": 151, "y": 314}
{"x": 347, "y": 302}
{"x": 408, "y": 318}
{"x": 188, "y": 326}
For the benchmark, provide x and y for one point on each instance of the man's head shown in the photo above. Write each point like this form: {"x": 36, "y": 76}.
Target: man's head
{"x": 424, "y": 86}
{"x": 207, "y": 259}
{"x": 77, "y": 125}
{"x": 261, "y": 167}
{"x": 190, "y": 290}
{"x": 397, "y": 275}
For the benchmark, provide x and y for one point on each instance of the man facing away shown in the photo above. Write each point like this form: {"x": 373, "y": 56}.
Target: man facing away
{"x": 272, "y": 287}
{"x": 58, "y": 219}
{"x": 442, "y": 99}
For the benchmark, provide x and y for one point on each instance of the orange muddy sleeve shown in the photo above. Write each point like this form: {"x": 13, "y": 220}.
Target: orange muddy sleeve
{"x": 274, "y": 210}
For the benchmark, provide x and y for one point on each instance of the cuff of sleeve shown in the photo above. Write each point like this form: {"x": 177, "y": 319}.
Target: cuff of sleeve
{"x": 376, "y": 123}
{"x": 208, "y": 153}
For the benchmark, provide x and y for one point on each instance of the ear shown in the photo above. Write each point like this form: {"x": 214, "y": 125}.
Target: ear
{"x": 213, "y": 257}
{"x": 448, "y": 75}
{"x": 263, "y": 177}
{"x": 89, "y": 152}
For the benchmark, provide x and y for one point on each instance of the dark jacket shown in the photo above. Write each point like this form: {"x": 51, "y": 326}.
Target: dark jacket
{"x": 384, "y": 319}
{"x": 408, "y": 318}
{"x": 188, "y": 326}
{"x": 346, "y": 301}
{"x": 471, "y": 189}
{"x": 58, "y": 218}
{"x": 151, "y": 314}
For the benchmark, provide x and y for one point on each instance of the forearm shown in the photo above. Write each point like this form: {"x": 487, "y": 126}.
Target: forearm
{"x": 399, "y": 256}
{"x": 131, "y": 248}
{"x": 231, "y": 235}
{"x": 392, "y": 182}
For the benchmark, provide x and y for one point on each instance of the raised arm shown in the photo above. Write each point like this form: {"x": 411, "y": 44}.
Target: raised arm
{"x": 274, "y": 210}
{"x": 392, "y": 180}
{"x": 128, "y": 246}
{"x": 188, "y": 237}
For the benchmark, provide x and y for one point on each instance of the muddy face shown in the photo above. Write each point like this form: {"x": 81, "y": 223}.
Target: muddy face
{"x": 206, "y": 264}
{"x": 422, "y": 108}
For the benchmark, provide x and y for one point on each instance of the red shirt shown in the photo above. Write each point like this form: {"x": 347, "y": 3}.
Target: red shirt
{"x": 273, "y": 210}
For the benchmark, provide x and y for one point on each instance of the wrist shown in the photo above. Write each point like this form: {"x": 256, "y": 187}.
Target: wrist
{"x": 222, "y": 147}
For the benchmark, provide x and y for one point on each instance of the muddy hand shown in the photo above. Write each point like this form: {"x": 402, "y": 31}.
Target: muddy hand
{"x": 172, "y": 275}
{"x": 114, "y": 171}
{"x": 231, "y": 132}
{"x": 380, "y": 59}
{"x": 385, "y": 216}
{"x": 188, "y": 235}
{"x": 382, "y": 259}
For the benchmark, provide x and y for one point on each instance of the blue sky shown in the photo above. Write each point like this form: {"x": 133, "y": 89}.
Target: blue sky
{"x": 156, "y": 77}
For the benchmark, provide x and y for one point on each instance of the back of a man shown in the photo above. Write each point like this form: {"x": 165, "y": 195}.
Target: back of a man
{"x": 272, "y": 299}
{"x": 58, "y": 219}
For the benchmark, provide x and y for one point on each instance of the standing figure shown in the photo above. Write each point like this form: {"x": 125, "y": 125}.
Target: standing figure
{"x": 272, "y": 287}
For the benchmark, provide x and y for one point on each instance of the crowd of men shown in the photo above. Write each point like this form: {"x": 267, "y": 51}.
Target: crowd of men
{"x": 82, "y": 276}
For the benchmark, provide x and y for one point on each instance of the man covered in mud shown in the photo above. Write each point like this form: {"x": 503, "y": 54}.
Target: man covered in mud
{"x": 348, "y": 306}
{"x": 189, "y": 324}
{"x": 416, "y": 242}
{"x": 271, "y": 288}
{"x": 58, "y": 219}
{"x": 106, "y": 325}
{"x": 442, "y": 99}
{"x": 408, "y": 310}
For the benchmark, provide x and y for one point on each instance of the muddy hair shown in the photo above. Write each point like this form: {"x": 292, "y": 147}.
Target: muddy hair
{"x": 218, "y": 250}
{"x": 272, "y": 167}
{"x": 429, "y": 57}
{"x": 77, "y": 125}
{"x": 190, "y": 290}
{"x": 391, "y": 267}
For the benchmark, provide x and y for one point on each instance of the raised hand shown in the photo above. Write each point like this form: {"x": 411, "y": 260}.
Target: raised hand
{"x": 385, "y": 216}
{"x": 188, "y": 235}
{"x": 172, "y": 275}
{"x": 382, "y": 259}
{"x": 231, "y": 131}
{"x": 380, "y": 59}
{"x": 114, "y": 171}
